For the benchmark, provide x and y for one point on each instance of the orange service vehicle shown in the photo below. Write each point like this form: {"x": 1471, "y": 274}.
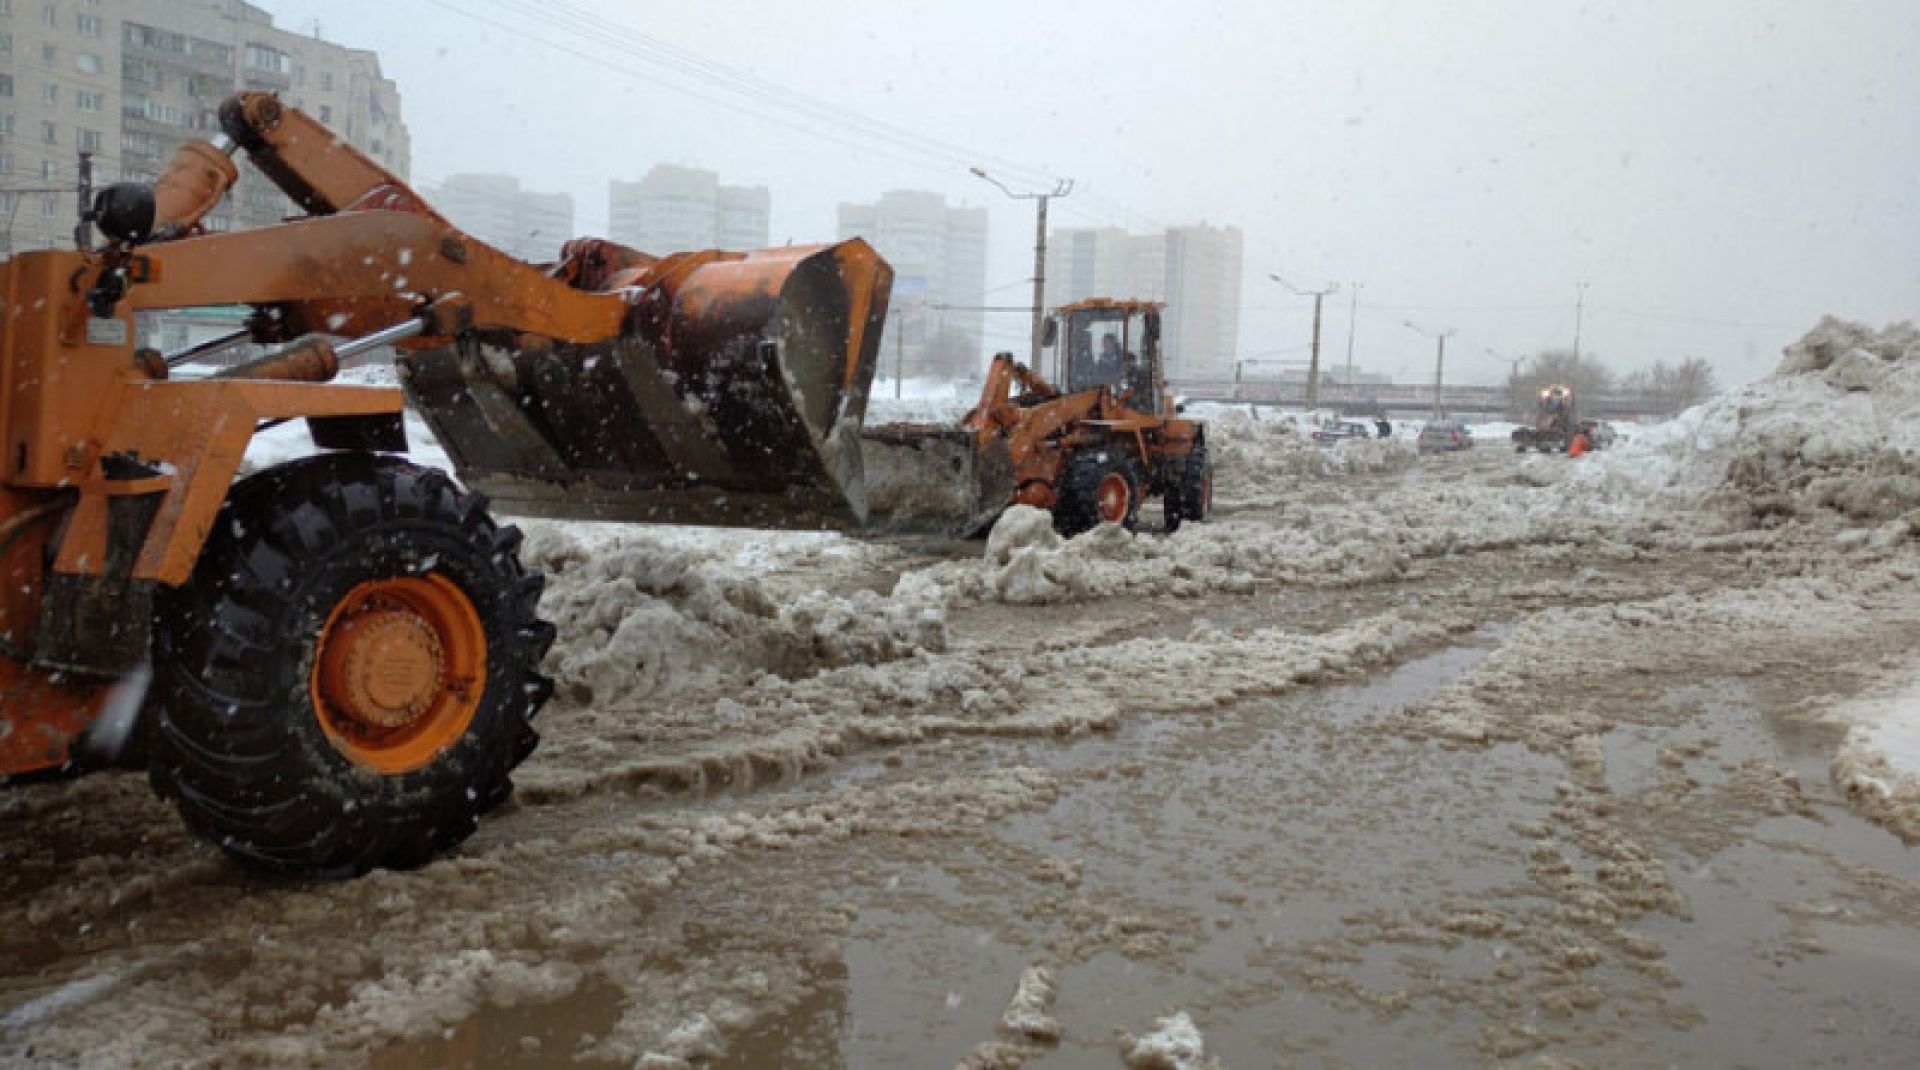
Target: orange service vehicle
{"x": 1092, "y": 452}
{"x": 333, "y": 664}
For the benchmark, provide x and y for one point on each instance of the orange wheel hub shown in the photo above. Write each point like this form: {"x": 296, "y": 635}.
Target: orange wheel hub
{"x": 399, "y": 671}
{"x": 1113, "y": 498}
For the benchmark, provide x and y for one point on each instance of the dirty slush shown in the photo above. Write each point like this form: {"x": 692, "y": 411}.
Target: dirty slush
{"x": 1477, "y": 758}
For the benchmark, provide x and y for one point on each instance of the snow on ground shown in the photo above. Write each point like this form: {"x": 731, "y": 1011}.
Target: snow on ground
{"x": 689, "y": 659}
{"x": 921, "y": 401}
{"x": 1174, "y": 1044}
{"x": 1878, "y": 765}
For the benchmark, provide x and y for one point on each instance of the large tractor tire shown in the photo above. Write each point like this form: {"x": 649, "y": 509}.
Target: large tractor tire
{"x": 348, "y": 679}
{"x": 1099, "y": 486}
{"x": 1191, "y": 496}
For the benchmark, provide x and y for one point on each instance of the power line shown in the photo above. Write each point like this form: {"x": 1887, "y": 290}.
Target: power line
{"x": 584, "y": 26}
{"x": 848, "y": 128}
{"x": 746, "y": 82}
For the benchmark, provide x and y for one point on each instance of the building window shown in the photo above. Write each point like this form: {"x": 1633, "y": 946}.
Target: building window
{"x": 49, "y": 169}
{"x": 88, "y": 25}
{"x": 7, "y": 201}
{"x": 49, "y": 93}
{"x": 326, "y": 81}
{"x": 50, "y": 15}
{"x": 49, "y": 205}
{"x": 6, "y": 163}
{"x": 49, "y": 55}
{"x": 6, "y": 124}
{"x": 326, "y": 114}
{"x": 49, "y": 134}
{"x": 86, "y": 100}
{"x": 262, "y": 58}
{"x": 86, "y": 63}
{"x": 87, "y": 140}
{"x": 6, "y": 44}
{"x": 6, "y": 85}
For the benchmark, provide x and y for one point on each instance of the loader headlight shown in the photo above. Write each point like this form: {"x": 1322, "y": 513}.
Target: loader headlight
{"x": 124, "y": 211}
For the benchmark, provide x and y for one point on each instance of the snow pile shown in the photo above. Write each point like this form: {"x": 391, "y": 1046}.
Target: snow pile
{"x": 645, "y": 614}
{"x": 1029, "y": 1015}
{"x": 1878, "y": 765}
{"x": 1174, "y": 1044}
{"x": 1836, "y": 427}
{"x": 1028, "y": 563}
{"x": 922, "y": 402}
{"x": 1255, "y": 452}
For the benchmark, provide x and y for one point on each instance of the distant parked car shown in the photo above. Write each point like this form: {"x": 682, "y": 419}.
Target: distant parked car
{"x": 1443, "y": 436}
{"x": 1328, "y": 434}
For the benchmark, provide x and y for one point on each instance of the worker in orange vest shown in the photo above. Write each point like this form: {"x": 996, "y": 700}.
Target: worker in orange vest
{"x": 1579, "y": 445}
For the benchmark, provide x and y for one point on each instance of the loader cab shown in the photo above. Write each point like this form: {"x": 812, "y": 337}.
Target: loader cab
{"x": 1115, "y": 344}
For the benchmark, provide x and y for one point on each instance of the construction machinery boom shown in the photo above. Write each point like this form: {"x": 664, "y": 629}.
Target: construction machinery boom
{"x": 344, "y": 650}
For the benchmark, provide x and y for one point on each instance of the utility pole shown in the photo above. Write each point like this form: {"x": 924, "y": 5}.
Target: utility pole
{"x": 899, "y": 353}
{"x": 1353, "y": 312}
{"x": 83, "y": 223}
{"x": 1439, "y": 367}
{"x": 1439, "y": 362}
{"x": 1060, "y": 189}
{"x": 1313, "y": 365}
{"x": 1579, "y": 315}
{"x": 1515, "y": 407}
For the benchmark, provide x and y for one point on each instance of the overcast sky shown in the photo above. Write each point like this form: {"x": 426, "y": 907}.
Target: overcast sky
{"x": 1719, "y": 172}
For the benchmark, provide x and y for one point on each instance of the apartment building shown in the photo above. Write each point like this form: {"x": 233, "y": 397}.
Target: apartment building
{"x": 494, "y": 208}
{"x": 1195, "y": 270}
{"x": 674, "y": 209}
{"x": 935, "y": 328}
{"x": 129, "y": 80}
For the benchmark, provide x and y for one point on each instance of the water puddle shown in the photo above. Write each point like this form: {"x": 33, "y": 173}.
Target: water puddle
{"x": 540, "y": 1036}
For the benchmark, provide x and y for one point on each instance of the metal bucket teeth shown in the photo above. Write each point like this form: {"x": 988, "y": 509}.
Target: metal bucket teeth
{"x": 733, "y": 397}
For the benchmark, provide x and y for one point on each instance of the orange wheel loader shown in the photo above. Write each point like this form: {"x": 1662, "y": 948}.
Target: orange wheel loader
{"x": 333, "y": 664}
{"x": 1091, "y": 453}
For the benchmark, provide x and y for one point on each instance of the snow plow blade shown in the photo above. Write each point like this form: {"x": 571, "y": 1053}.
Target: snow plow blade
{"x": 931, "y": 480}
{"x": 733, "y": 396}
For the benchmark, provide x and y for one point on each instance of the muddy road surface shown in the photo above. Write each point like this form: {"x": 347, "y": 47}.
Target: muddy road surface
{"x": 1400, "y": 761}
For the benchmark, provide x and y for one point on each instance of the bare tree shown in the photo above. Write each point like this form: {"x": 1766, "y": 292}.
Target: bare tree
{"x": 1673, "y": 388}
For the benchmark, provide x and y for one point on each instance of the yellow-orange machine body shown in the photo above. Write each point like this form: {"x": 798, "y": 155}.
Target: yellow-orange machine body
{"x": 609, "y": 383}
{"x": 1091, "y": 452}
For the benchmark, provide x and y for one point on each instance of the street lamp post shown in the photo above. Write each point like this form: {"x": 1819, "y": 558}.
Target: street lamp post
{"x": 1439, "y": 361}
{"x": 1513, "y": 377}
{"x": 1060, "y": 189}
{"x": 1579, "y": 316}
{"x": 1313, "y": 365}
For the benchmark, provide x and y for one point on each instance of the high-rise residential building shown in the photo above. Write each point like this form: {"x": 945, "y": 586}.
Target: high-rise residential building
{"x": 939, "y": 258}
{"x": 676, "y": 209}
{"x": 130, "y": 80}
{"x": 1195, "y": 270}
{"x": 742, "y": 217}
{"x": 519, "y": 222}
{"x": 1202, "y": 326}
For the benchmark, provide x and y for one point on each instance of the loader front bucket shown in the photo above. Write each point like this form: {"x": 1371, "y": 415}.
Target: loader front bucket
{"x": 734, "y": 396}
{"x": 932, "y": 480}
